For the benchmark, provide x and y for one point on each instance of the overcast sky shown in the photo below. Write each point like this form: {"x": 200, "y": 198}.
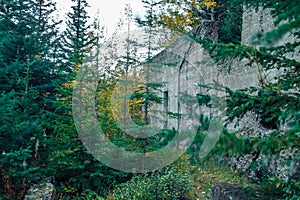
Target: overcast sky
{"x": 110, "y": 10}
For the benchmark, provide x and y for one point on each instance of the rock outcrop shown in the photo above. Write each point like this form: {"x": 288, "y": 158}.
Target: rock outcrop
{"x": 43, "y": 191}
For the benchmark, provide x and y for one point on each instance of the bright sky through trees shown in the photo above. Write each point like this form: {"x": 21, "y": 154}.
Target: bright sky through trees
{"x": 109, "y": 10}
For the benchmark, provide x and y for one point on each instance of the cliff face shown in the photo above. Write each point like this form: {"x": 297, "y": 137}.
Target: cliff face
{"x": 192, "y": 66}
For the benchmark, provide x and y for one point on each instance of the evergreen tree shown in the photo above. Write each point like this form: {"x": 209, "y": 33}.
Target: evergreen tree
{"x": 74, "y": 168}
{"x": 78, "y": 38}
{"x": 67, "y": 160}
{"x": 28, "y": 83}
{"x": 150, "y": 92}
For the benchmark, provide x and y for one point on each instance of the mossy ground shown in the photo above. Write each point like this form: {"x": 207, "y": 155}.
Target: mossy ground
{"x": 206, "y": 175}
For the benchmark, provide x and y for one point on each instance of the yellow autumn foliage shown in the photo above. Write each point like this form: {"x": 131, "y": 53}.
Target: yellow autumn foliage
{"x": 182, "y": 15}
{"x": 38, "y": 56}
{"x": 115, "y": 103}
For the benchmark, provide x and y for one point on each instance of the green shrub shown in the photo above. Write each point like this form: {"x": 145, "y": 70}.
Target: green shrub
{"x": 164, "y": 184}
{"x": 89, "y": 195}
{"x": 85, "y": 195}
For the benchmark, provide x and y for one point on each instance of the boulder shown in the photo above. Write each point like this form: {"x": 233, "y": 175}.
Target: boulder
{"x": 41, "y": 191}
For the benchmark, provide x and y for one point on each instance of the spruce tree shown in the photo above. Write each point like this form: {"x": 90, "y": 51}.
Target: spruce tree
{"x": 27, "y": 83}
{"x": 74, "y": 48}
{"x": 74, "y": 168}
{"x": 77, "y": 37}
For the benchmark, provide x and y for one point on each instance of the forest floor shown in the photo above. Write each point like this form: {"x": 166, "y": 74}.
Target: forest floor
{"x": 207, "y": 175}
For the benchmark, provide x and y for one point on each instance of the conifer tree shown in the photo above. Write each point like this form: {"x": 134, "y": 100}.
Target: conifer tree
{"x": 75, "y": 169}
{"x": 28, "y": 83}
{"x": 78, "y": 37}
{"x": 150, "y": 91}
{"x": 74, "y": 47}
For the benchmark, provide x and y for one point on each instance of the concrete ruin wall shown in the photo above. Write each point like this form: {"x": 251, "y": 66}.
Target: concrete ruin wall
{"x": 194, "y": 66}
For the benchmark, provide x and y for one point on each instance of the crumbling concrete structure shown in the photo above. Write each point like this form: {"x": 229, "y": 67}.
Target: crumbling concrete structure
{"x": 186, "y": 64}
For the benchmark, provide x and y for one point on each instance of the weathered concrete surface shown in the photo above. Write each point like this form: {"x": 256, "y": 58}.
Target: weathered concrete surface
{"x": 194, "y": 66}
{"x": 260, "y": 21}
{"x": 254, "y": 22}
